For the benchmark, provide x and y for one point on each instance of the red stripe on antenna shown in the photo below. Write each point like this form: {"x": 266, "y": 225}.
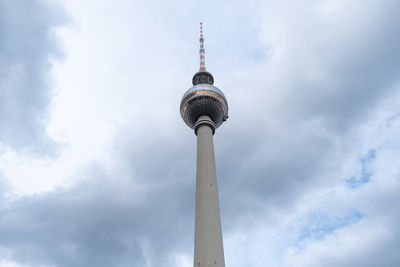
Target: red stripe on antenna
{"x": 202, "y": 61}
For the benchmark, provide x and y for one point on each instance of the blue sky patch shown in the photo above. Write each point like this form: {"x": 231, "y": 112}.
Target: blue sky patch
{"x": 366, "y": 174}
{"x": 317, "y": 225}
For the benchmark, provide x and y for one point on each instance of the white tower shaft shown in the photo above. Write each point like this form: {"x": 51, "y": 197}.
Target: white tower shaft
{"x": 208, "y": 247}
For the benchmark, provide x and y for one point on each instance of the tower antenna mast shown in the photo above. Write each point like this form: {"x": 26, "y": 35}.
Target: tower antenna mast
{"x": 202, "y": 52}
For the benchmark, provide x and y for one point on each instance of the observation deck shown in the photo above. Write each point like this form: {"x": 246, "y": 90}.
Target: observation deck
{"x": 204, "y": 99}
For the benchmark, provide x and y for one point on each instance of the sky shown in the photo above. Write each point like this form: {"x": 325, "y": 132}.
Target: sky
{"x": 97, "y": 168}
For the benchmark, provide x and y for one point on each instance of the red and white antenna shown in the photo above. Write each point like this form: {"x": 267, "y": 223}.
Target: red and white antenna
{"x": 202, "y": 60}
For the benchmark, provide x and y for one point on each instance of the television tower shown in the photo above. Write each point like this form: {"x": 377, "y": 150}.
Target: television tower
{"x": 204, "y": 108}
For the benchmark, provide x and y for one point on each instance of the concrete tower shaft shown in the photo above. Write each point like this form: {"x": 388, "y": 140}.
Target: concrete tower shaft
{"x": 208, "y": 247}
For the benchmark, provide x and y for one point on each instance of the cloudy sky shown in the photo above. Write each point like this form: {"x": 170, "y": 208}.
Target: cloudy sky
{"x": 98, "y": 169}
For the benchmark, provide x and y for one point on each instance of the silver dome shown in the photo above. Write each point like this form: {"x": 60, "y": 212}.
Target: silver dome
{"x": 204, "y": 99}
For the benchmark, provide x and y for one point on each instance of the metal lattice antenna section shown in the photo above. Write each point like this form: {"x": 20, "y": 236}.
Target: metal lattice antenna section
{"x": 202, "y": 76}
{"x": 202, "y": 59}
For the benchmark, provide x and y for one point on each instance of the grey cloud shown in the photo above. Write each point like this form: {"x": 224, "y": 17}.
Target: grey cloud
{"x": 282, "y": 148}
{"x": 102, "y": 222}
{"x": 272, "y": 172}
{"x": 357, "y": 58}
{"x": 27, "y": 47}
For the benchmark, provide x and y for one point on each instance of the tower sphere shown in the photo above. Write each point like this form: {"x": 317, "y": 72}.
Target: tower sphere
{"x": 204, "y": 99}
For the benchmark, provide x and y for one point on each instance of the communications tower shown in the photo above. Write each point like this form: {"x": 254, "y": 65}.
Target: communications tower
{"x": 204, "y": 108}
